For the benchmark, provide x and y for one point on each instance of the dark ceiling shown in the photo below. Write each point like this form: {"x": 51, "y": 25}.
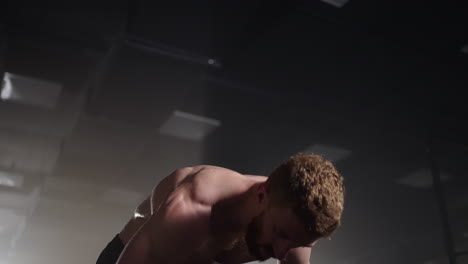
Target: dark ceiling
{"x": 376, "y": 77}
{"x": 401, "y": 42}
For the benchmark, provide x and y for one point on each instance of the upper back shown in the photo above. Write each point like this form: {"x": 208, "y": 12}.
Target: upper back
{"x": 183, "y": 203}
{"x": 193, "y": 192}
{"x": 203, "y": 185}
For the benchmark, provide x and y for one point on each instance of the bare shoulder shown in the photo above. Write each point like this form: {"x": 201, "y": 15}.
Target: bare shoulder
{"x": 180, "y": 175}
{"x": 212, "y": 168}
{"x": 206, "y": 184}
{"x": 163, "y": 238}
{"x": 211, "y": 183}
{"x": 185, "y": 178}
{"x": 223, "y": 178}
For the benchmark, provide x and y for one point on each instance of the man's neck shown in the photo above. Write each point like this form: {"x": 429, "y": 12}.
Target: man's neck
{"x": 234, "y": 213}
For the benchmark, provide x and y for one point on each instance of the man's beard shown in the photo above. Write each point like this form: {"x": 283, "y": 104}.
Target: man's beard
{"x": 253, "y": 231}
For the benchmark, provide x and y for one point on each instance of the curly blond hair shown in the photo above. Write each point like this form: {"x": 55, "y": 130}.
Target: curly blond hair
{"x": 312, "y": 186}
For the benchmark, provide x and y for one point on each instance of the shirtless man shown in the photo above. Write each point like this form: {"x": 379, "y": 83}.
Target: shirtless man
{"x": 209, "y": 214}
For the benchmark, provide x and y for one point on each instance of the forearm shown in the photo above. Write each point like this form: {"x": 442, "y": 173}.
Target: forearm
{"x": 293, "y": 262}
{"x": 300, "y": 255}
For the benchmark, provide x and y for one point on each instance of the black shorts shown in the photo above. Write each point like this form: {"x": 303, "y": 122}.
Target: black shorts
{"x": 111, "y": 253}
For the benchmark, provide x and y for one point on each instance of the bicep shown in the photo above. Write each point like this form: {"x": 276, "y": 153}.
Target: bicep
{"x": 177, "y": 231}
{"x": 172, "y": 235}
{"x": 299, "y": 255}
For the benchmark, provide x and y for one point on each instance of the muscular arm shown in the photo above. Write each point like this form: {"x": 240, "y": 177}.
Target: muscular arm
{"x": 163, "y": 238}
{"x": 151, "y": 204}
{"x": 299, "y": 255}
{"x": 166, "y": 185}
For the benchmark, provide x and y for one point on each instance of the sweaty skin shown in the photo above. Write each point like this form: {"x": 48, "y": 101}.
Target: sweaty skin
{"x": 199, "y": 215}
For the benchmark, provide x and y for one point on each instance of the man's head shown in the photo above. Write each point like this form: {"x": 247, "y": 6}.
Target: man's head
{"x": 301, "y": 201}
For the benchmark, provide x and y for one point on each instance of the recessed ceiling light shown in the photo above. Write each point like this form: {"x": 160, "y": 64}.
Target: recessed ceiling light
{"x": 10, "y": 179}
{"x": 464, "y": 49}
{"x": 27, "y": 90}
{"x": 337, "y": 3}
{"x": 421, "y": 178}
{"x": 188, "y": 126}
{"x": 331, "y": 153}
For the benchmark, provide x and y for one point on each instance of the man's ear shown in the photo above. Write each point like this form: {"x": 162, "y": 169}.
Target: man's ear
{"x": 263, "y": 195}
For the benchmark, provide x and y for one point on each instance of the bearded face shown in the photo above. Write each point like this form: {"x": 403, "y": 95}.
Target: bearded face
{"x": 254, "y": 239}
